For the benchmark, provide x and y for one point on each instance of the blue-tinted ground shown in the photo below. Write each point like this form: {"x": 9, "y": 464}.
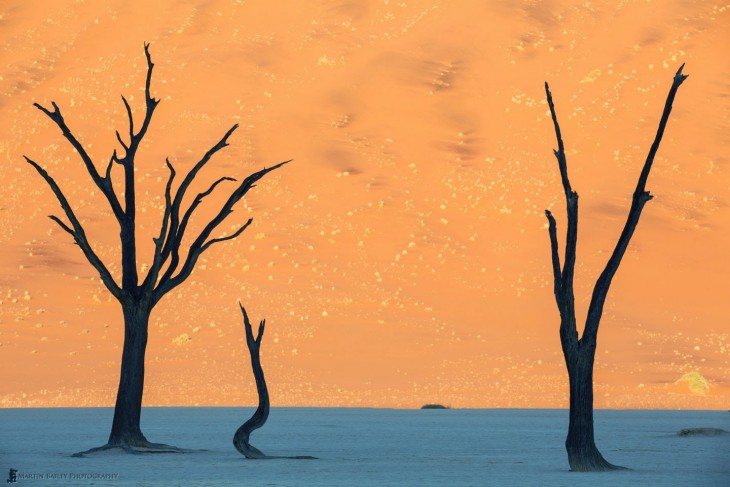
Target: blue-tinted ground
{"x": 366, "y": 447}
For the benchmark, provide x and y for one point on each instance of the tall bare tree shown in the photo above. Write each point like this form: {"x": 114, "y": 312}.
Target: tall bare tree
{"x": 138, "y": 296}
{"x": 580, "y": 352}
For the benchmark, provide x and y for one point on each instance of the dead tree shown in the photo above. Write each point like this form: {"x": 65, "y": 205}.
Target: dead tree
{"x": 580, "y": 352}
{"x": 139, "y": 295}
{"x": 240, "y": 439}
{"x": 259, "y": 417}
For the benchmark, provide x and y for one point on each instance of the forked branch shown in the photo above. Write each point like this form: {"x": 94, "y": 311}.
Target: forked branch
{"x": 172, "y": 229}
{"x": 173, "y": 235}
{"x": 177, "y": 237}
{"x": 564, "y": 279}
{"x": 203, "y": 241}
{"x": 77, "y": 231}
{"x": 135, "y": 138}
{"x": 563, "y": 285}
{"x": 151, "y": 278}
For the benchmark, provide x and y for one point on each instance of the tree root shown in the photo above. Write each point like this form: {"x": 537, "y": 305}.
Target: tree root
{"x": 598, "y": 467}
{"x": 240, "y": 442}
{"x": 253, "y": 453}
{"x": 593, "y": 462}
{"x": 136, "y": 448}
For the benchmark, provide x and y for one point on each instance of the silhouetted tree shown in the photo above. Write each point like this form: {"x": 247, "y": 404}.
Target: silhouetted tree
{"x": 240, "y": 438}
{"x": 580, "y": 352}
{"x": 259, "y": 417}
{"x": 168, "y": 269}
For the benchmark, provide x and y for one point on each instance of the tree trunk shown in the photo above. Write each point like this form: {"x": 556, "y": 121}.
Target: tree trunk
{"x": 242, "y": 435}
{"x": 583, "y": 456}
{"x": 128, "y": 408}
{"x": 126, "y": 433}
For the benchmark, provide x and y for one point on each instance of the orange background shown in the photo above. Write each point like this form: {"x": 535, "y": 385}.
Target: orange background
{"x": 403, "y": 257}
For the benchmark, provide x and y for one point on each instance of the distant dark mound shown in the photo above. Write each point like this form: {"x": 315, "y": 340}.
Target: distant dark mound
{"x": 702, "y": 432}
{"x": 434, "y": 406}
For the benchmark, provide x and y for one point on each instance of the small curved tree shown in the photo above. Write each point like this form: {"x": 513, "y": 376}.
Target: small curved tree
{"x": 579, "y": 353}
{"x": 169, "y": 268}
{"x": 259, "y": 417}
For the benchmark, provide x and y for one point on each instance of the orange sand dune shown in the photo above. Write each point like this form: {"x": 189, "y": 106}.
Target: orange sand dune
{"x": 403, "y": 257}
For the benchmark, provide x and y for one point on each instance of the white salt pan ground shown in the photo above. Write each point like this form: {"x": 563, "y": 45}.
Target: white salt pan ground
{"x": 366, "y": 447}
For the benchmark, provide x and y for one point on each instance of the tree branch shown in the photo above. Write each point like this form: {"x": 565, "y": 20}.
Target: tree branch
{"x": 555, "y": 257}
{"x": 571, "y": 199}
{"x": 128, "y": 229}
{"x": 229, "y": 237}
{"x": 157, "y": 261}
{"x": 676, "y": 83}
{"x": 119, "y": 137}
{"x": 172, "y": 239}
{"x": 201, "y": 243}
{"x": 194, "y": 205}
{"x": 560, "y": 153}
{"x": 250, "y": 340}
{"x": 180, "y": 234}
{"x": 78, "y": 231}
{"x": 151, "y": 104}
{"x": 571, "y": 241}
{"x": 108, "y": 173}
{"x": 65, "y": 227}
{"x": 260, "y": 335}
{"x": 563, "y": 282}
{"x": 102, "y": 183}
{"x": 130, "y": 118}
{"x": 639, "y": 199}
